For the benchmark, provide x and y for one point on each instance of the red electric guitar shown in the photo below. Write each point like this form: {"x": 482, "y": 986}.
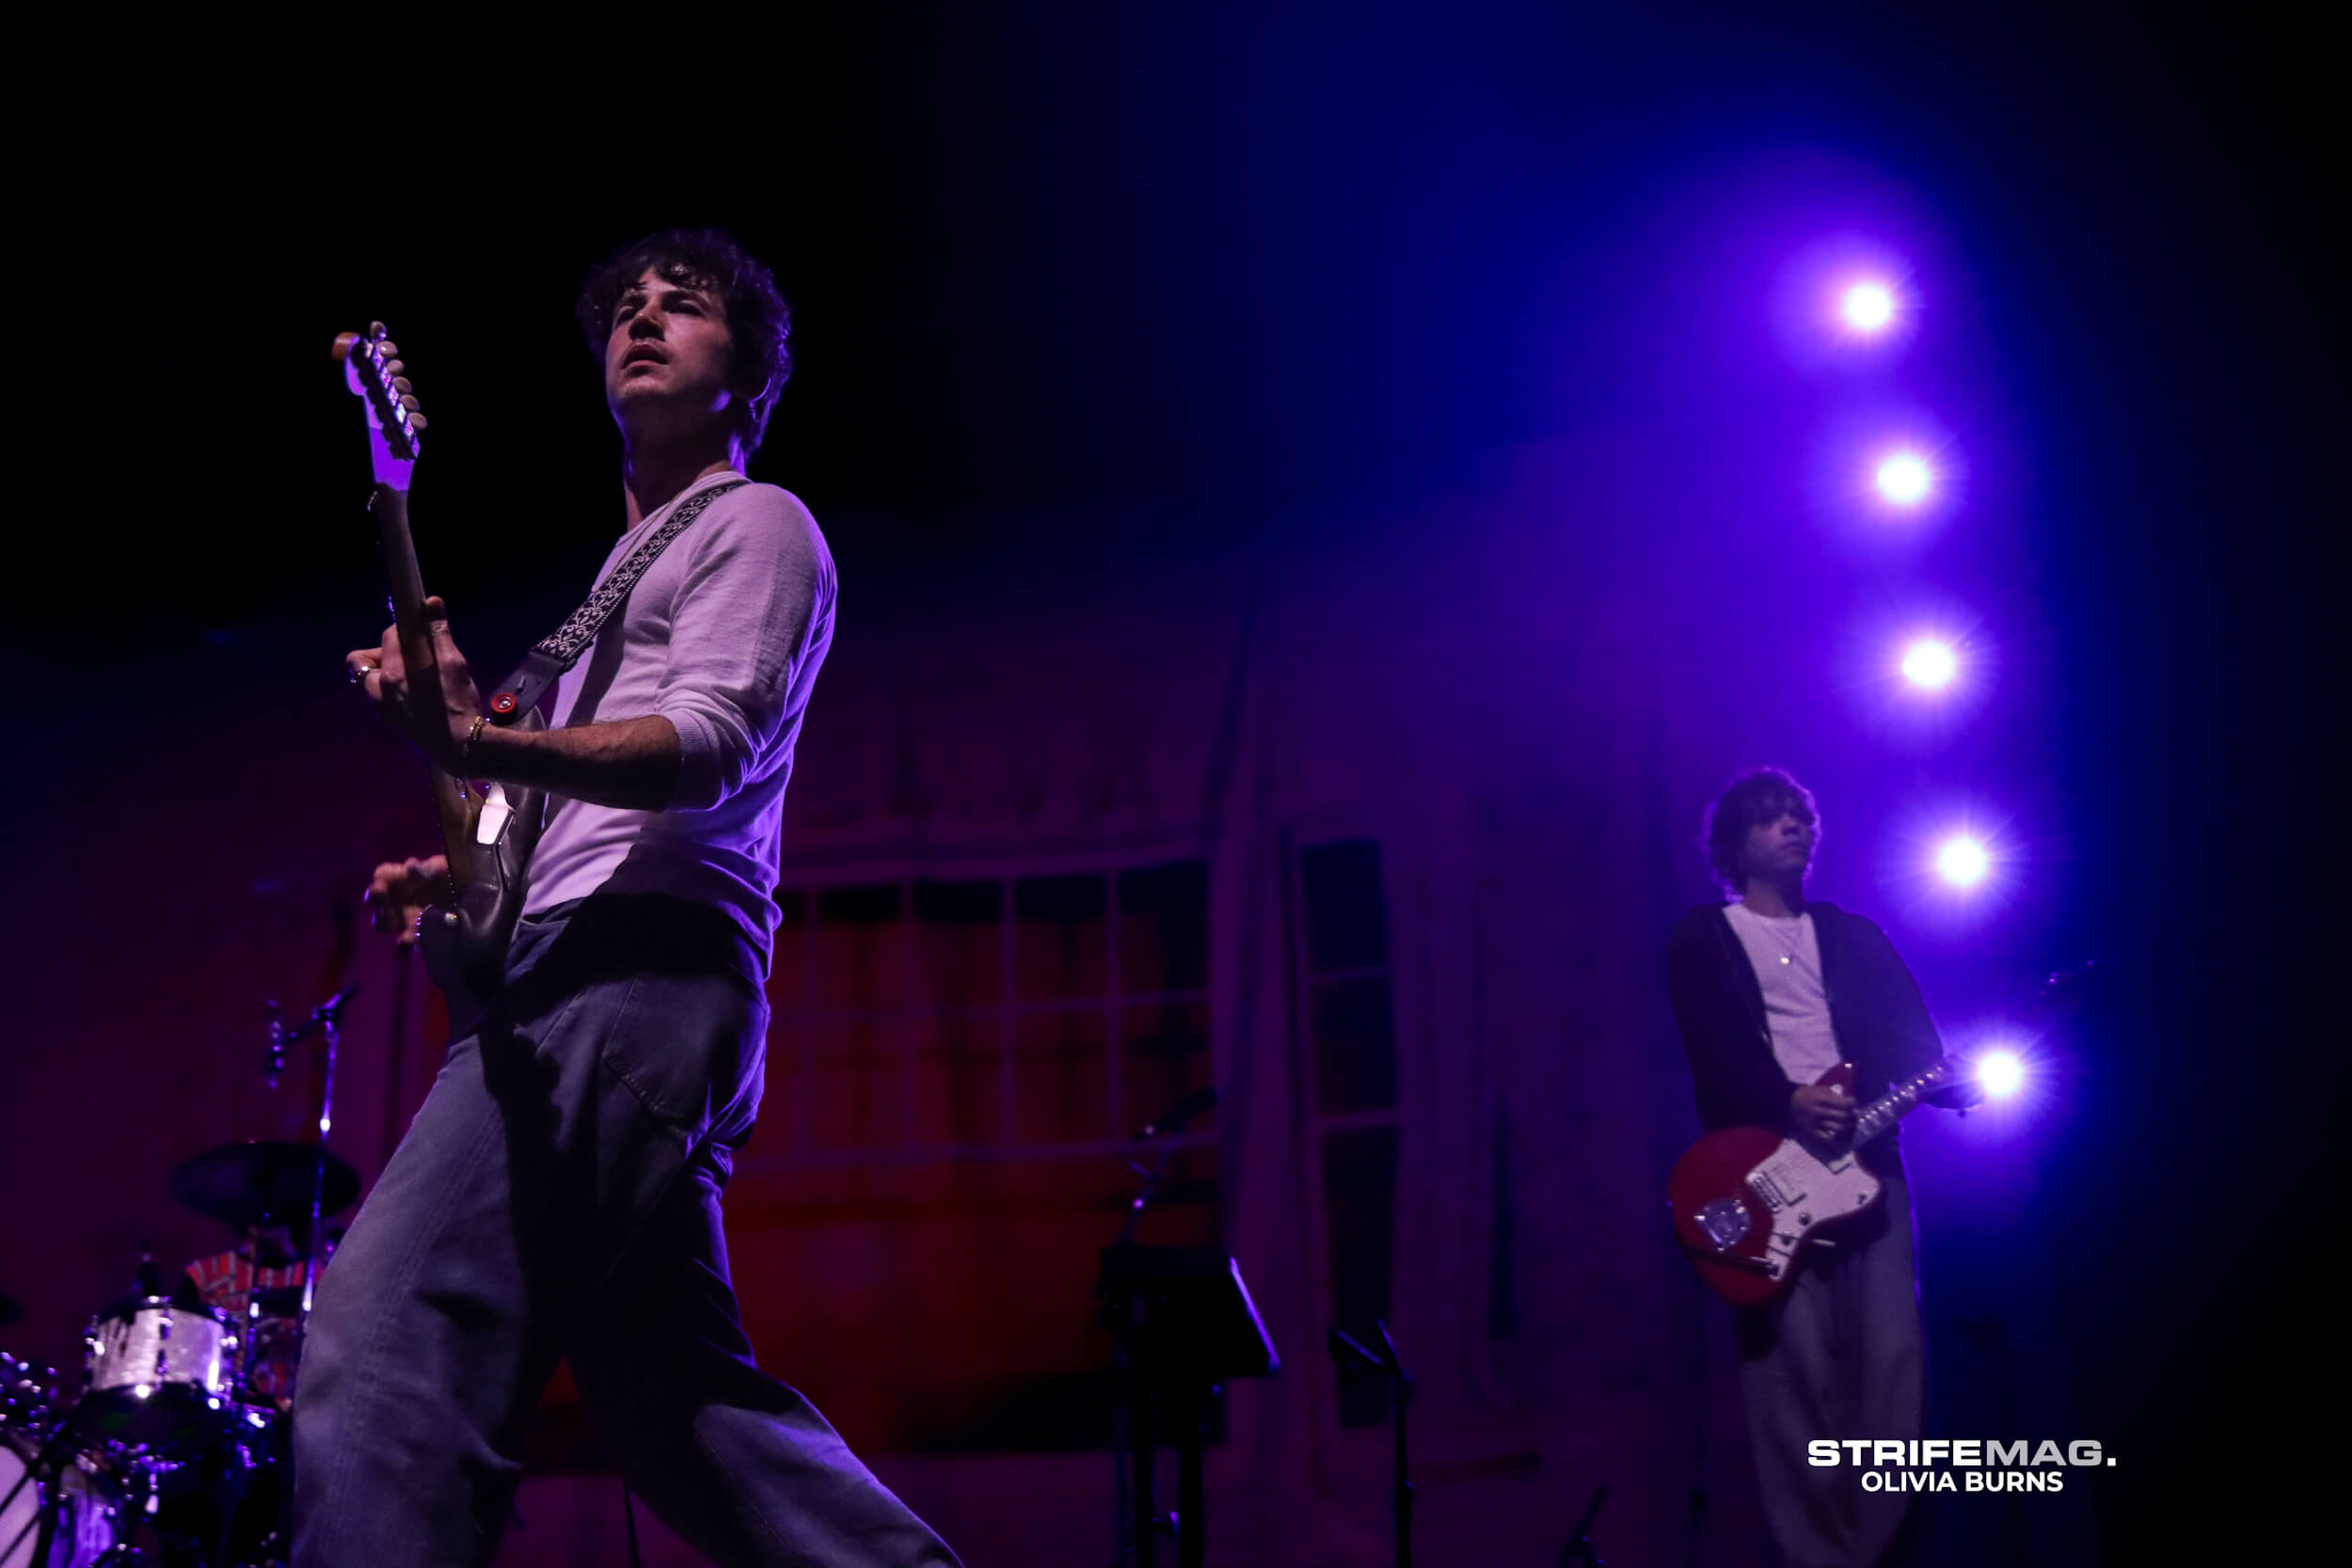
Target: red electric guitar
{"x": 1746, "y": 1198}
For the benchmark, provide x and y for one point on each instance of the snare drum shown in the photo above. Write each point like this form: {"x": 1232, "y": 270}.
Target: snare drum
{"x": 72, "y": 1521}
{"x": 159, "y": 1376}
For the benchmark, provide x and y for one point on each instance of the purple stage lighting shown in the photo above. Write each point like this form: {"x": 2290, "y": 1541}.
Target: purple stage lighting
{"x": 1962, "y": 858}
{"x": 1904, "y": 478}
{"x": 2000, "y": 1073}
{"x": 1866, "y": 308}
{"x": 1844, "y": 299}
{"x": 1931, "y": 664}
{"x": 1963, "y": 861}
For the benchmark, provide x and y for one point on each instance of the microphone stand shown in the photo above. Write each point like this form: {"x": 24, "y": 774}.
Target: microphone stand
{"x": 325, "y": 1019}
{"x": 1134, "y": 1525}
{"x": 1580, "y": 1551}
{"x": 1352, "y": 1356}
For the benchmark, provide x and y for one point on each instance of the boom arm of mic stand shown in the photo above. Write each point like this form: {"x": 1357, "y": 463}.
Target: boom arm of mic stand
{"x": 322, "y": 1017}
{"x": 1580, "y": 1548}
{"x": 1170, "y": 1123}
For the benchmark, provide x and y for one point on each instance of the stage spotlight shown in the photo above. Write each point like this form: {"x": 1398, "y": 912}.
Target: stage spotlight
{"x": 1931, "y": 664}
{"x": 2000, "y": 1073}
{"x": 1963, "y": 861}
{"x": 1904, "y": 477}
{"x": 1867, "y": 308}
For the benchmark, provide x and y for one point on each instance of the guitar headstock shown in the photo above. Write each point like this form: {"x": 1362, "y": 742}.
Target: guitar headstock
{"x": 374, "y": 372}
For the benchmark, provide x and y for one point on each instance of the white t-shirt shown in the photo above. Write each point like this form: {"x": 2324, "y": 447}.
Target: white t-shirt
{"x": 1786, "y": 958}
{"x": 722, "y": 635}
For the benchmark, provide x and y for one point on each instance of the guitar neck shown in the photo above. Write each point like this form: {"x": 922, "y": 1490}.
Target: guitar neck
{"x": 452, "y": 799}
{"x": 1899, "y": 1101}
{"x": 391, "y": 507}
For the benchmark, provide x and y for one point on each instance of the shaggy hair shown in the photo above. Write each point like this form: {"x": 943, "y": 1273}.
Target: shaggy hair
{"x": 758, "y": 320}
{"x": 1757, "y": 796}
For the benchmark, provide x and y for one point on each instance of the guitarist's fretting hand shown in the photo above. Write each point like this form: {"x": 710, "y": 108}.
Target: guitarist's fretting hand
{"x": 1824, "y": 1113}
{"x": 628, "y": 764}
{"x": 435, "y": 722}
{"x": 402, "y": 890}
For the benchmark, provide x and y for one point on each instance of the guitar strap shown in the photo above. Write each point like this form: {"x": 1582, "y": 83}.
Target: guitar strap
{"x": 519, "y": 692}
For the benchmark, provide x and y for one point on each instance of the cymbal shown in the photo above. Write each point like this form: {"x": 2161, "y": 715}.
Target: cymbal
{"x": 263, "y": 1183}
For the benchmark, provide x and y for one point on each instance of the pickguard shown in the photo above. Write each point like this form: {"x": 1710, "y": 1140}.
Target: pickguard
{"x": 1800, "y": 1191}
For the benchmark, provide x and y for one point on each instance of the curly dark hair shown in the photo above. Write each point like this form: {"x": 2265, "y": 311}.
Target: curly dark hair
{"x": 757, "y": 318}
{"x": 1756, "y": 796}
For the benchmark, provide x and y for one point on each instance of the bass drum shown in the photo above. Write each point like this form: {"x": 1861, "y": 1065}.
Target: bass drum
{"x": 73, "y": 1522}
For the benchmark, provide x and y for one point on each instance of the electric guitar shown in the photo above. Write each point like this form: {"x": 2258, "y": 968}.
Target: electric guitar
{"x": 1746, "y": 1200}
{"x": 487, "y": 831}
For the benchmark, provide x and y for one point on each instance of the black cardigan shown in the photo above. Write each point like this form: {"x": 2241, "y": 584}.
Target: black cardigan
{"x": 1875, "y": 1009}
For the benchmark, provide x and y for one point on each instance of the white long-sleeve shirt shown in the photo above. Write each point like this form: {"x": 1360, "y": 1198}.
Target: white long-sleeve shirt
{"x": 724, "y": 636}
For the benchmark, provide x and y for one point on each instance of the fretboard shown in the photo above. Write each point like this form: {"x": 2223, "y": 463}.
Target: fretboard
{"x": 1897, "y": 1101}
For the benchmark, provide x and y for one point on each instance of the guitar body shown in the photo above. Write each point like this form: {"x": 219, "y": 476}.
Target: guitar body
{"x": 1746, "y": 1200}
{"x": 464, "y": 941}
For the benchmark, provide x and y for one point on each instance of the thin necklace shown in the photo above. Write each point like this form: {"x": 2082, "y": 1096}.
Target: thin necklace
{"x": 1789, "y": 938}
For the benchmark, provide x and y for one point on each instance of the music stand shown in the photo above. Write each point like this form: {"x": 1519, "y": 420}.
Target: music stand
{"x": 1182, "y": 1323}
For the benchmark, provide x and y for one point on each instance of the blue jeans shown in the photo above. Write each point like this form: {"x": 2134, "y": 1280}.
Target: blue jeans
{"x": 557, "y": 1197}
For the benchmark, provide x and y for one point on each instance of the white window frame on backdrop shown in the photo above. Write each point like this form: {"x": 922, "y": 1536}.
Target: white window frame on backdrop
{"x": 1320, "y": 1124}
{"x": 793, "y": 1038}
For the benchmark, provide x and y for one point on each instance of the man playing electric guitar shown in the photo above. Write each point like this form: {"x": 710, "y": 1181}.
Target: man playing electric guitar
{"x": 1770, "y": 993}
{"x": 558, "y": 1194}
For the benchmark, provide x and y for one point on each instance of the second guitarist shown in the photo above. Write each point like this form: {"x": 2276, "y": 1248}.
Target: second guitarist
{"x": 1772, "y": 991}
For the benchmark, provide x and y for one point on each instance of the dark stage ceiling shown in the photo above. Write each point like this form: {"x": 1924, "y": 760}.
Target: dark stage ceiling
{"x": 1055, "y": 259}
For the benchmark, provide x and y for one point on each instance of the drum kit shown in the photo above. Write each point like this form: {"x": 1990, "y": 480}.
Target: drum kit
{"x": 175, "y": 1449}
{"x": 178, "y": 1434}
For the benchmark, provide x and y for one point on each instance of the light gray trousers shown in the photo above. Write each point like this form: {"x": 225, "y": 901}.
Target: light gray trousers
{"x": 1839, "y": 1356}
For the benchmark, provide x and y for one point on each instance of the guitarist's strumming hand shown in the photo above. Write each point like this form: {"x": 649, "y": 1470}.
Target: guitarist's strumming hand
{"x": 401, "y": 892}
{"x": 1821, "y": 1112}
{"x": 435, "y": 716}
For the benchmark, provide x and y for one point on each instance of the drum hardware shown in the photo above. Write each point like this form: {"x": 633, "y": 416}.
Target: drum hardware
{"x": 169, "y": 1435}
{"x": 266, "y": 1191}
{"x": 325, "y": 1019}
{"x": 74, "y": 1492}
{"x": 154, "y": 1430}
{"x": 27, "y": 1395}
{"x": 258, "y": 1188}
{"x": 62, "y": 1508}
{"x": 278, "y": 1301}
{"x": 28, "y": 1424}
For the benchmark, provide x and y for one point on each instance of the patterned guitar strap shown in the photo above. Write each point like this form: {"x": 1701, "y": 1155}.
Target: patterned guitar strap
{"x": 519, "y": 692}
